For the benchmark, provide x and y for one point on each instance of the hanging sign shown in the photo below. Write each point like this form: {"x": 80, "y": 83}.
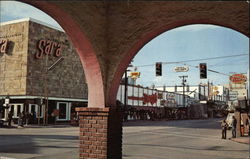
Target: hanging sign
{"x": 181, "y": 69}
{"x": 135, "y": 75}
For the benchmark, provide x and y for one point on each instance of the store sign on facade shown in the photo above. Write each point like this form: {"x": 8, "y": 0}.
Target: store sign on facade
{"x": 152, "y": 99}
{"x": 3, "y": 45}
{"x": 48, "y": 47}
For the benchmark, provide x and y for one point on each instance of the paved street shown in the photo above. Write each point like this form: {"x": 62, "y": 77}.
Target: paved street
{"x": 191, "y": 139}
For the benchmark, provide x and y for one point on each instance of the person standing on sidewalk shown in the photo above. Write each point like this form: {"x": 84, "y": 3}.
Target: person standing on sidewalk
{"x": 234, "y": 124}
{"x": 224, "y": 129}
{"x": 248, "y": 125}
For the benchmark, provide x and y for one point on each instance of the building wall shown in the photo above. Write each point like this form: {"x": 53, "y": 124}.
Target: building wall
{"x": 13, "y": 63}
{"x": 67, "y": 78}
{"x": 21, "y": 73}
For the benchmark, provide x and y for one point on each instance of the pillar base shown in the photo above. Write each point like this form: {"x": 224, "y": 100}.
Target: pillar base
{"x": 100, "y": 133}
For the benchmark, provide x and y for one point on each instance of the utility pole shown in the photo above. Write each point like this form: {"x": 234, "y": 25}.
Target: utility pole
{"x": 126, "y": 88}
{"x": 126, "y": 84}
{"x": 183, "y": 84}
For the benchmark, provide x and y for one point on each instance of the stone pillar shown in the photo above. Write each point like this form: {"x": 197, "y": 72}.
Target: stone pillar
{"x": 100, "y": 133}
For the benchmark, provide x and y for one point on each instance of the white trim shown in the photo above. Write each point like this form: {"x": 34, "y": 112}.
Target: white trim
{"x": 33, "y": 20}
{"x": 50, "y": 98}
{"x": 36, "y": 110}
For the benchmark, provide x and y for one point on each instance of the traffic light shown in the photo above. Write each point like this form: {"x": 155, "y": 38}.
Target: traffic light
{"x": 158, "y": 69}
{"x": 203, "y": 70}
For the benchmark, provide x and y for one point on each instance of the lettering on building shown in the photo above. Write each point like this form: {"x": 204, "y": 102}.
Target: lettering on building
{"x": 3, "y": 45}
{"x": 146, "y": 98}
{"x": 48, "y": 47}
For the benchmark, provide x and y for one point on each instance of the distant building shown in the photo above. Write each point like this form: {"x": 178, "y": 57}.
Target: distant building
{"x": 202, "y": 92}
{"x": 28, "y": 49}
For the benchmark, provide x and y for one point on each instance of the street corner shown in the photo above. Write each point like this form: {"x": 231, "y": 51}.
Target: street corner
{"x": 244, "y": 140}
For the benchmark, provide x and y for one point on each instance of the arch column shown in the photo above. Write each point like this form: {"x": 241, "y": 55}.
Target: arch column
{"x": 84, "y": 49}
{"x": 100, "y": 128}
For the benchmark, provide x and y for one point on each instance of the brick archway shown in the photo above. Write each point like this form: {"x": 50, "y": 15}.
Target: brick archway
{"x": 116, "y": 31}
{"x": 84, "y": 49}
{"x": 143, "y": 41}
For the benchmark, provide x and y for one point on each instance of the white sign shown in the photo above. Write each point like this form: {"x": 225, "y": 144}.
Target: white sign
{"x": 181, "y": 69}
{"x": 203, "y": 102}
{"x": 7, "y": 101}
{"x": 233, "y": 95}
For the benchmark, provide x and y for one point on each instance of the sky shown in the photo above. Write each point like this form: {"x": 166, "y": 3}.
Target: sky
{"x": 180, "y": 44}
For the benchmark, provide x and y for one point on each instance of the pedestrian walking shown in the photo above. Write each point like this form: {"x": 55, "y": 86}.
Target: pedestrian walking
{"x": 20, "y": 121}
{"x": 23, "y": 116}
{"x": 248, "y": 125}
{"x": 234, "y": 124}
{"x": 10, "y": 114}
{"x": 224, "y": 129}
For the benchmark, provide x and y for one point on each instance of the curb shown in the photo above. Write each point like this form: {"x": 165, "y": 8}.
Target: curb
{"x": 241, "y": 140}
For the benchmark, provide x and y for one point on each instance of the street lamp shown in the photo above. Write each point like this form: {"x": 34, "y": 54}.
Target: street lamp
{"x": 46, "y": 98}
{"x": 6, "y": 106}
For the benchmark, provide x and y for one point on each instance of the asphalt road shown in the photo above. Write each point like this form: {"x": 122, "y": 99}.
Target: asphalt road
{"x": 186, "y": 139}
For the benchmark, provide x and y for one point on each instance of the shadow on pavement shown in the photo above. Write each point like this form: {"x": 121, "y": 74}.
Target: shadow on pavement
{"x": 213, "y": 148}
{"x": 26, "y": 143}
{"x": 201, "y": 124}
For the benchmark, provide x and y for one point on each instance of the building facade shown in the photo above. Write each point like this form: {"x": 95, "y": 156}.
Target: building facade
{"x": 37, "y": 61}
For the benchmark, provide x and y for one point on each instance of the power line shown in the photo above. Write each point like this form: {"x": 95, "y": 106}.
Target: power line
{"x": 208, "y": 70}
{"x": 212, "y": 58}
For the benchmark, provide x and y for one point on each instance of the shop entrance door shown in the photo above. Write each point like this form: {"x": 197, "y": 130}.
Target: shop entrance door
{"x": 64, "y": 109}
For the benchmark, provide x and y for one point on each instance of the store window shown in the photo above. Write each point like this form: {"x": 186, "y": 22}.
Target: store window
{"x": 64, "y": 109}
{"x": 16, "y": 109}
{"x": 36, "y": 110}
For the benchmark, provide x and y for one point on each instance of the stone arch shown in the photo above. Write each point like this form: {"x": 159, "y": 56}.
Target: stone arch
{"x": 83, "y": 47}
{"x": 147, "y": 38}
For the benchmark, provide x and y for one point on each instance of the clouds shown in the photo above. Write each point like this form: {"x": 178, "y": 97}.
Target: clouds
{"x": 12, "y": 10}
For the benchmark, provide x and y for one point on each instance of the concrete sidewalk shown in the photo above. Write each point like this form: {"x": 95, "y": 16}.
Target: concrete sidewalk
{"x": 244, "y": 140}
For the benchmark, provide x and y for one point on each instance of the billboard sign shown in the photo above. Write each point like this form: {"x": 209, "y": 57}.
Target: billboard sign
{"x": 238, "y": 78}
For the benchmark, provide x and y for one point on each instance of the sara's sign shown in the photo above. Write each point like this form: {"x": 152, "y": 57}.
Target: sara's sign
{"x": 48, "y": 47}
{"x": 238, "y": 78}
{"x": 3, "y": 45}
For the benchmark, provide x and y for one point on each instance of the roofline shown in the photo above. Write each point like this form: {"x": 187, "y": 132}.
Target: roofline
{"x": 32, "y": 20}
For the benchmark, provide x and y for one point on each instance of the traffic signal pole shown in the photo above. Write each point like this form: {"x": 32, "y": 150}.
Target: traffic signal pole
{"x": 183, "y": 84}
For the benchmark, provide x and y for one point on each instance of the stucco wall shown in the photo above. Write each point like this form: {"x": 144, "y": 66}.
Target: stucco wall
{"x": 13, "y": 63}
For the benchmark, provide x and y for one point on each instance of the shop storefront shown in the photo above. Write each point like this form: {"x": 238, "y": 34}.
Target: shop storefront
{"x": 40, "y": 73}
